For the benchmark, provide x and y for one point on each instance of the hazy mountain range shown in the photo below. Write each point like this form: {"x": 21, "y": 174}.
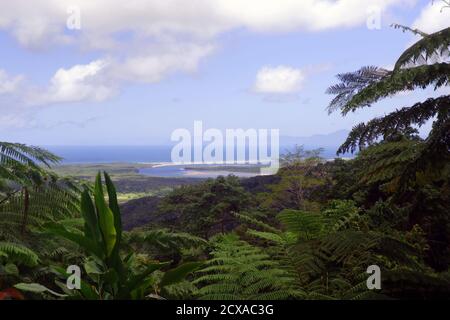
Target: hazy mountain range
{"x": 331, "y": 140}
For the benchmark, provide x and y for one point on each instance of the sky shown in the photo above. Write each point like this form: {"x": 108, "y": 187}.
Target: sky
{"x": 110, "y": 72}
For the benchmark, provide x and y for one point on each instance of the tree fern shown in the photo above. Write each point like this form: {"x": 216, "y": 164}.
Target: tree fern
{"x": 32, "y": 194}
{"x": 367, "y": 86}
{"x": 238, "y": 270}
{"x": 17, "y": 159}
{"x": 330, "y": 263}
{"x": 33, "y": 206}
{"x": 398, "y": 158}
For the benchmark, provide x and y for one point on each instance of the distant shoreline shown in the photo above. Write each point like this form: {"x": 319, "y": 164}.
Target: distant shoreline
{"x": 161, "y": 169}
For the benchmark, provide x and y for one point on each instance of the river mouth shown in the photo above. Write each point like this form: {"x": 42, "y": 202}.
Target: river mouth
{"x": 200, "y": 171}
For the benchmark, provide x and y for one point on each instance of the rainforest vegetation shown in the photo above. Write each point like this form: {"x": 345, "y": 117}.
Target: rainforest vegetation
{"x": 308, "y": 232}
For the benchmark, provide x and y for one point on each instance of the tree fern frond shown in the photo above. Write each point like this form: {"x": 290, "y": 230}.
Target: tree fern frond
{"x": 436, "y": 44}
{"x": 436, "y": 75}
{"x": 164, "y": 239}
{"x": 240, "y": 271}
{"x": 19, "y": 254}
{"x": 306, "y": 225}
{"x": 353, "y": 83}
{"x": 252, "y": 221}
{"x": 396, "y": 122}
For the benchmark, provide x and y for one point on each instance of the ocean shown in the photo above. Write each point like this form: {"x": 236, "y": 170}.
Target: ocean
{"x": 135, "y": 154}
{"x": 109, "y": 154}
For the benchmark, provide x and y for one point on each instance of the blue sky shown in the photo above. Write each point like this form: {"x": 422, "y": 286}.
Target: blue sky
{"x": 130, "y": 76}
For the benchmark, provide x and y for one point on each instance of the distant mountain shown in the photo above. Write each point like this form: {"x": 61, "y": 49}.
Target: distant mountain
{"x": 331, "y": 140}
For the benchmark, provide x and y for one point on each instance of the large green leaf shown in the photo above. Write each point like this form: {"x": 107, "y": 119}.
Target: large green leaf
{"x": 106, "y": 217}
{"x": 114, "y": 206}
{"x": 179, "y": 273}
{"x": 91, "y": 229}
{"x": 37, "y": 288}
{"x": 87, "y": 244}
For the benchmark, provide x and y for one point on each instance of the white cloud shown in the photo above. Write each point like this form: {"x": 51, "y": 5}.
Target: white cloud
{"x": 160, "y": 62}
{"x": 100, "y": 79}
{"x": 278, "y": 80}
{"x": 45, "y": 20}
{"x": 149, "y": 39}
{"x": 433, "y": 18}
{"x": 80, "y": 82}
{"x": 9, "y": 84}
{"x": 289, "y": 15}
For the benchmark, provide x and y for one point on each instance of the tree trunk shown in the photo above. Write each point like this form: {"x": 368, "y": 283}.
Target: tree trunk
{"x": 26, "y": 203}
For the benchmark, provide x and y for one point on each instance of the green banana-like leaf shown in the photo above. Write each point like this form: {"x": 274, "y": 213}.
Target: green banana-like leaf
{"x": 106, "y": 217}
{"x": 91, "y": 229}
{"x": 87, "y": 244}
{"x": 179, "y": 273}
{"x": 115, "y": 259}
{"x": 114, "y": 206}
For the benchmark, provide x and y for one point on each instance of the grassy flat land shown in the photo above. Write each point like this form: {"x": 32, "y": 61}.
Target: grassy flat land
{"x": 89, "y": 170}
{"x": 129, "y": 183}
